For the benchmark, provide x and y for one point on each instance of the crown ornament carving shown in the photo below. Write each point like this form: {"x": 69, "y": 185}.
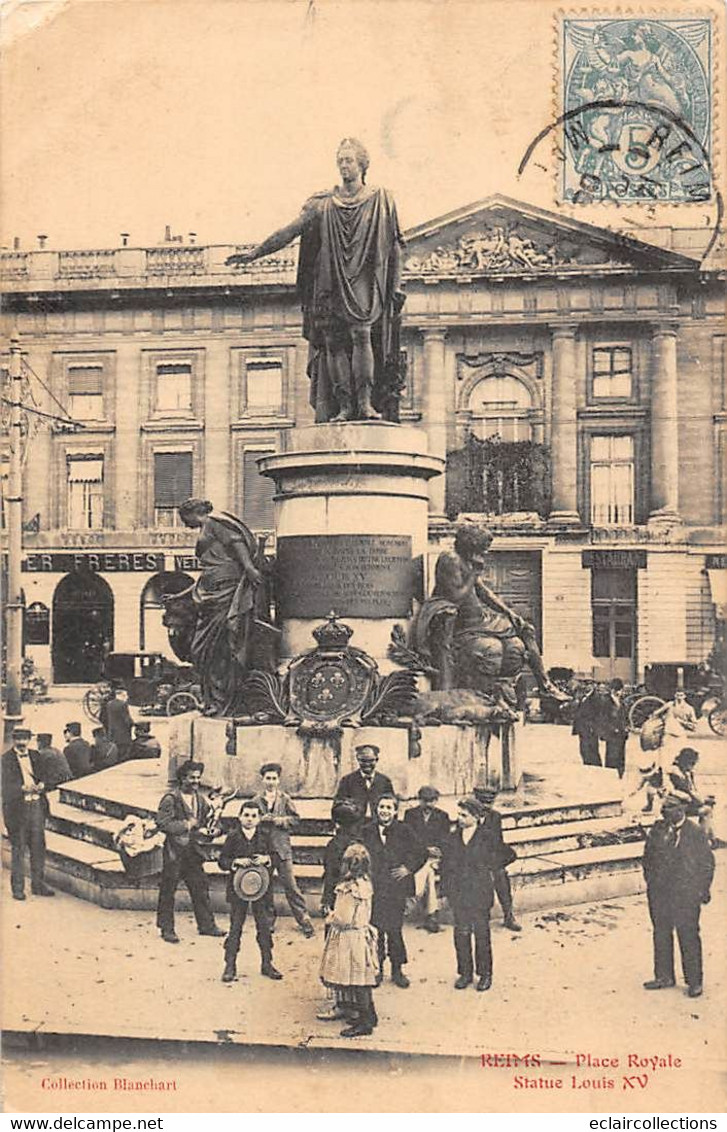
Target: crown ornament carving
{"x": 333, "y": 635}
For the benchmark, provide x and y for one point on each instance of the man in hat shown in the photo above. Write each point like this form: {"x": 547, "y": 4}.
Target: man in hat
{"x": 503, "y": 854}
{"x": 279, "y": 817}
{"x": 53, "y": 763}
{"x": 248, "y": 845}
{"x": 431, "y": 827}
{"x": 678, "y": 866}
{"x": 467, "y": 868}
{"x": 77, "y": 751}
{"x": 396, "y": 856}
{"x": 25, "y": 808}
{"x": 365, "y": 785}
{"x": 145, "y": 745}
{"x": 683, "y": 785}
{"x": 104, "y": 753}
{"x": 118, "y": 723}
{"x": 182, "y": 811}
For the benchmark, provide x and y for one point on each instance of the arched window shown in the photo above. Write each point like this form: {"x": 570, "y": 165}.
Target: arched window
{"x": 501, "y": 406}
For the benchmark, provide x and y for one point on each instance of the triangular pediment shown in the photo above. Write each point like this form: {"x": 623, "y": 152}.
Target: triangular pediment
{"x": 500, "y": 236}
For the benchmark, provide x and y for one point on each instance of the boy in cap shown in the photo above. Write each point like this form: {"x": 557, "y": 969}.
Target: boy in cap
{"x": 431, "y": 827}
{"x": 77, "y": 751}
{"x": 279, "y": 816}
{"x": 467, "y": 882}
{"x": 248, "y": 844}
{"x": 145, "y": 745}
{"x": 54, "y": 764}
{"x": 25, "y": 808}
{"x": 504, "y": 854}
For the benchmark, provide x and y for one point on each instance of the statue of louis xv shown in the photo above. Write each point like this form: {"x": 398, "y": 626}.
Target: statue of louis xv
{"x": 349, "y": 284}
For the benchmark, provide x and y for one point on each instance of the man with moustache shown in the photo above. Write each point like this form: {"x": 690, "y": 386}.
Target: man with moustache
{"x": 366, "y": 785}
{"x": 678, "y": 865}
{"x": 182, "y": 812}
{"x": 25, "y": 809}
{"x": 396, "y": 856}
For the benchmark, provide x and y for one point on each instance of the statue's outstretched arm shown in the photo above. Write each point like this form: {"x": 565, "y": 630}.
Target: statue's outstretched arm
{"x": 272, "y": 243}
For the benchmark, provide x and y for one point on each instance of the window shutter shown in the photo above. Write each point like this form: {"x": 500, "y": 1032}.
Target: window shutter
{"x": 258, "y": 491}
{"x": 172, "y": 478}
{"x": 85, "y": 379}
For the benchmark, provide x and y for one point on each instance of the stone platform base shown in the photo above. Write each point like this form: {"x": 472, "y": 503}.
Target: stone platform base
{"x": 453, "y": 759}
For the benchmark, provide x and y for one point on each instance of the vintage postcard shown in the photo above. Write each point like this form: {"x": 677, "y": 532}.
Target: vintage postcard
{"x": 364, "y": 576}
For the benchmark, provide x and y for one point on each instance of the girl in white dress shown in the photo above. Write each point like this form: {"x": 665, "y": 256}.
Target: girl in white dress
{"x": 350, "y": 961}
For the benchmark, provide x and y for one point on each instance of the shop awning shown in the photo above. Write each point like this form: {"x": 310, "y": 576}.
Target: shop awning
{"x": 84, "y": 470}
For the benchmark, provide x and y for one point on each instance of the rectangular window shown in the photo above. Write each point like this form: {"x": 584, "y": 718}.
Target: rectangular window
{"x": 85, "y": 493}
{"x": 174, "y": 387}
{"x": 612, "y": 372}
{"x": 172, "y": 485}
{"x": 613, "y": 602}
{"x": 85, "y": 392}
{"x": 263, "y": 386}
{"x": 612, "y": 481}
{"x": 258, "y": 491}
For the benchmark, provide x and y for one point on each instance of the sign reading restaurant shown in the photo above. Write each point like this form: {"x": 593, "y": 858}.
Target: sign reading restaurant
{"x": 108, "y": 562}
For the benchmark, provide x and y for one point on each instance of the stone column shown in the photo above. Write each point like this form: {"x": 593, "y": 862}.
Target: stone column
{"x": 217, "y": 435}
{"x": 664, "y": 425}
{"x": 564, "y": 429}
{"x": 128, "y": 471}
{"x": 435, "y": 410}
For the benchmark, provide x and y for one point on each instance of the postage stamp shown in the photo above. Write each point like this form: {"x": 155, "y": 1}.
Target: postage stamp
{"x": 635, "y": 105}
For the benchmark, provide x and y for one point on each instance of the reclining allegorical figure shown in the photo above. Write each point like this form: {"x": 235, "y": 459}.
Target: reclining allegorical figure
{"x": 472, "y": 638}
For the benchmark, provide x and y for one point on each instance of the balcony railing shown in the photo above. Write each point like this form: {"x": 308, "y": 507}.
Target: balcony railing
{"x": 15, "y": 265}
{"x": 174, "y": 260}
{"x": 86, "y": 264}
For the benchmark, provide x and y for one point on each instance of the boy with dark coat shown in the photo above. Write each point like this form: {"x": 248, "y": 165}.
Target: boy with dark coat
{"x": 431, "y": 827}
{"x": 395, "y": 856}
{"x": 77, "y": 751}
{"x": 467, "y": 866}
{"x": 54, "y": 764}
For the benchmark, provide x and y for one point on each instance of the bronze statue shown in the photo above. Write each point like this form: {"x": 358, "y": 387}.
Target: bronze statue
{"x": 473, "y": 639}
{"x": 220, "y": 623}
{"x": 349, "y": 283}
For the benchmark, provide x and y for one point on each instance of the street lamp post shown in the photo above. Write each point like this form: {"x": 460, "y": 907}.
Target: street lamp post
{"x": 14, "y": 519}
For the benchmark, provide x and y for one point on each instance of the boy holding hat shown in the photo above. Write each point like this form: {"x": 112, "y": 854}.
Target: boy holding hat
{"x": 77, "y": 751}
{"x": 25, "y": 808}
{"x": 279, "y": 816}
{"x": 248, "y": 845}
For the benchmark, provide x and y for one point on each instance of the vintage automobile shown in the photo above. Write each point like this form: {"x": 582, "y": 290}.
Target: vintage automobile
{"x": 155, "y": 684}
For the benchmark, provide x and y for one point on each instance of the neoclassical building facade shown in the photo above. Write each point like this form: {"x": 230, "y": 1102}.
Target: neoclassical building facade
{"x": 573, "y": 378}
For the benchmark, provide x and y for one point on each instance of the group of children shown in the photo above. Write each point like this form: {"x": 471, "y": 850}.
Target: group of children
{"x": 351, "y": 965}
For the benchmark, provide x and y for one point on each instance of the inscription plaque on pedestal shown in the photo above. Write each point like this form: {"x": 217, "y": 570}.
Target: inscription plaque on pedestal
{"x": 355, "y": 575}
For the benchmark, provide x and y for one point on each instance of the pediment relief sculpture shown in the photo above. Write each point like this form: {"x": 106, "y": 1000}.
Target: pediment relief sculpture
{"x": 494, "y": 248}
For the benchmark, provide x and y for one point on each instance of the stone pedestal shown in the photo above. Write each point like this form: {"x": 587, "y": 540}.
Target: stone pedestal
{"x": 453, "y": 759}
{"x": 351, "y": 510}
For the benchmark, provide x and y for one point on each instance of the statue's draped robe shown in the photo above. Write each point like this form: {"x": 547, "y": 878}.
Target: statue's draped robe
{"x": 347, "y": 274}
{"x": 224, "y": 599}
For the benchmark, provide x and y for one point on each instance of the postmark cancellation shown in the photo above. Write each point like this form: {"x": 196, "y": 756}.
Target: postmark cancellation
{"x": 636, "y": 109}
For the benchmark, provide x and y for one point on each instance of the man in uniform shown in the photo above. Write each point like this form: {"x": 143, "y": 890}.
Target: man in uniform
{"x": 25, "y": 809}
